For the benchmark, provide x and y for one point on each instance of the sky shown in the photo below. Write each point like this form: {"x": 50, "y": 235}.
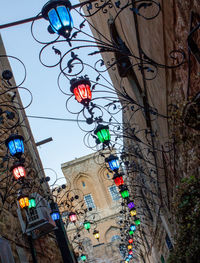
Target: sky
{"x": 48, "y": 101}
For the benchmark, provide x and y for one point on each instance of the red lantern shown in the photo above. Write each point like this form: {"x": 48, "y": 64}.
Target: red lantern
{"x": 81, "y": 89}
{"x": 72, "y": 217}
{"x": 118, "y": 179}
{"x": 130, "y": 252}
{"x": 130, "y": 241}
{"x": 18, "y": 171}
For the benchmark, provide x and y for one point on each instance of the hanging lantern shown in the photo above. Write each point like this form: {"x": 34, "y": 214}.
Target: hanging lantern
{"x": 124, "y": 192}
{"x": 83, "y": 257}
{"x": 131, "y": 232}
{"x": 96, "y": 234}
{"x": 87, "y": 225}
{"x": 137, "y": 221}
{"x": 15, "y": 145}
{"x": 118, "y": 179}
{"x": 133, "y": 212}
{"x": 103, "y": 134}
{"x": 32, "y": 203}
{"x": 133, "y": 227}
{"x": 81, "y": 89}
{"x": 130, "y": 256}
{"x": 23, "y": 201}
{"x": 130, "y": 252}
{"x": 127, "y": 259}
{"x": 130, "y": 241}
{"x": 131, "y": 205}
{"x": 18, "y": 171}
{"x": 130, "y": 247}
{"x": 57, "y": 12}
{"x": 113, "y": 162}
{"x": 72, "y": 217}
{"x": 55, "y": 215}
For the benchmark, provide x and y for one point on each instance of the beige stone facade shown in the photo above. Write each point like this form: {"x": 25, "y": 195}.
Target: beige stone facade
{"x": 88, "y": 178}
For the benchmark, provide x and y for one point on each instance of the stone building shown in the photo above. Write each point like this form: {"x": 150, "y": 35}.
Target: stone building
{"x": 162, "y": 158}
{"x": 96, "y": 189}
{"x": 14, "y": 245}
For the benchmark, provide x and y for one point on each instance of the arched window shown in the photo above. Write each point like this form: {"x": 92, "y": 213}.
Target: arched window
{"x": 83, "y": 183}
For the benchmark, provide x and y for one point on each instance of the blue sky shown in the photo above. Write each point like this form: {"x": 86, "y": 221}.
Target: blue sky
{"x": 42, "y": 82}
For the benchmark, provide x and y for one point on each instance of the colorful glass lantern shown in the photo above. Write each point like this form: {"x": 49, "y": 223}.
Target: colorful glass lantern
{"x": 18, "y": 171}
{"x": 113, "y": 162}
{"x": 118, "y": 179}
{"x": 124, "y": 192}
{"x": 130, "y": 256}
{"x": 131, "y": 205}
{"x": 87, "y": 225}
{"x": 96, "y": 234}
{"x": 137, "y": 221}
{"x": 72, "y": 217}
{"x": 131, "y": 232}
{"x": 127, "y": 259}
{"x": 130, "y": 247}
{"x": 130, "y": 241}
{"x": 15, "y": 144}
{"x": 103, "y": 134}
{"x": 81, "y": 89}
{"x": 55, "y": 215}
{"x": 32, "y": 203}
{"x": 83, "y": 257}
{"x": 133, "y": 227}
{"x": 57, "y": 12}
{"x": 133, "y": 212}
{"x": 130, "y": 252}
{"x": 23, "y": 201}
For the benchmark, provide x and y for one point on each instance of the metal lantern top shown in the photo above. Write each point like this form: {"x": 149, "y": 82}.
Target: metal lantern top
{"x": 15, "y": 144}
{"x": 80, "y": 87}
{"x": 57, "y": 12}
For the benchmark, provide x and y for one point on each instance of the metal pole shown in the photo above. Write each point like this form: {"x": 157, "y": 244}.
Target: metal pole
{"x": 20, "y": 22}
{"x": 62, "y": 239}
{"x": 33, "y": 251}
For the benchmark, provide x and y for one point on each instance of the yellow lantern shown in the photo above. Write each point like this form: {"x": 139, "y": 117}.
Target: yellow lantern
{"x": 130, "y": 247}
{"x": 133, "y": 213}
{"x": 96, "y": 234}
{"x": 23, "y": 201}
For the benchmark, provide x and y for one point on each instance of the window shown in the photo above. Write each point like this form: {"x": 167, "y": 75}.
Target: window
{"x": 108, "y": 176}
{"x": 83, "y": 184}
{"x": 115, "y": 237}
{"x": 89, "y": 201}
{"x": 114, "y": 193}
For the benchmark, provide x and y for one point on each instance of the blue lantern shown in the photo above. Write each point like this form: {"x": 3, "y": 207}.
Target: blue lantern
{"x": 113, "y": 162}
{"x": 57, "y": 12}
{"x": 15, "y": 145}
{"x": 55, "y": 215}
{"x": 130, "y": 256}
{"x": 133, "y": 227}
{"x": 127, "y": 259}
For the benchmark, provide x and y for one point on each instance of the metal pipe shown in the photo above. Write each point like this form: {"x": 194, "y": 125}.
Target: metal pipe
{"x": 31, "y": 19}
{"x": 33, "y": 251}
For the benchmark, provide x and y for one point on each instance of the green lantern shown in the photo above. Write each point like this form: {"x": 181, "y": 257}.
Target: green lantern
{"x": 137, "y": 221}
{"x": 87, "y": 225}
{"x": 83, "y": 257}
{"x": 102, "y": 132}
{"x": 32, "y": 203}
{"x": 124, "y": 193}
{"x": 131, "y": 232}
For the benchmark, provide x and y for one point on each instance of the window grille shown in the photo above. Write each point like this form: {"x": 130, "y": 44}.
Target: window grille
{"x": 114, "y": 193}
{"x": 89, "y": 201}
